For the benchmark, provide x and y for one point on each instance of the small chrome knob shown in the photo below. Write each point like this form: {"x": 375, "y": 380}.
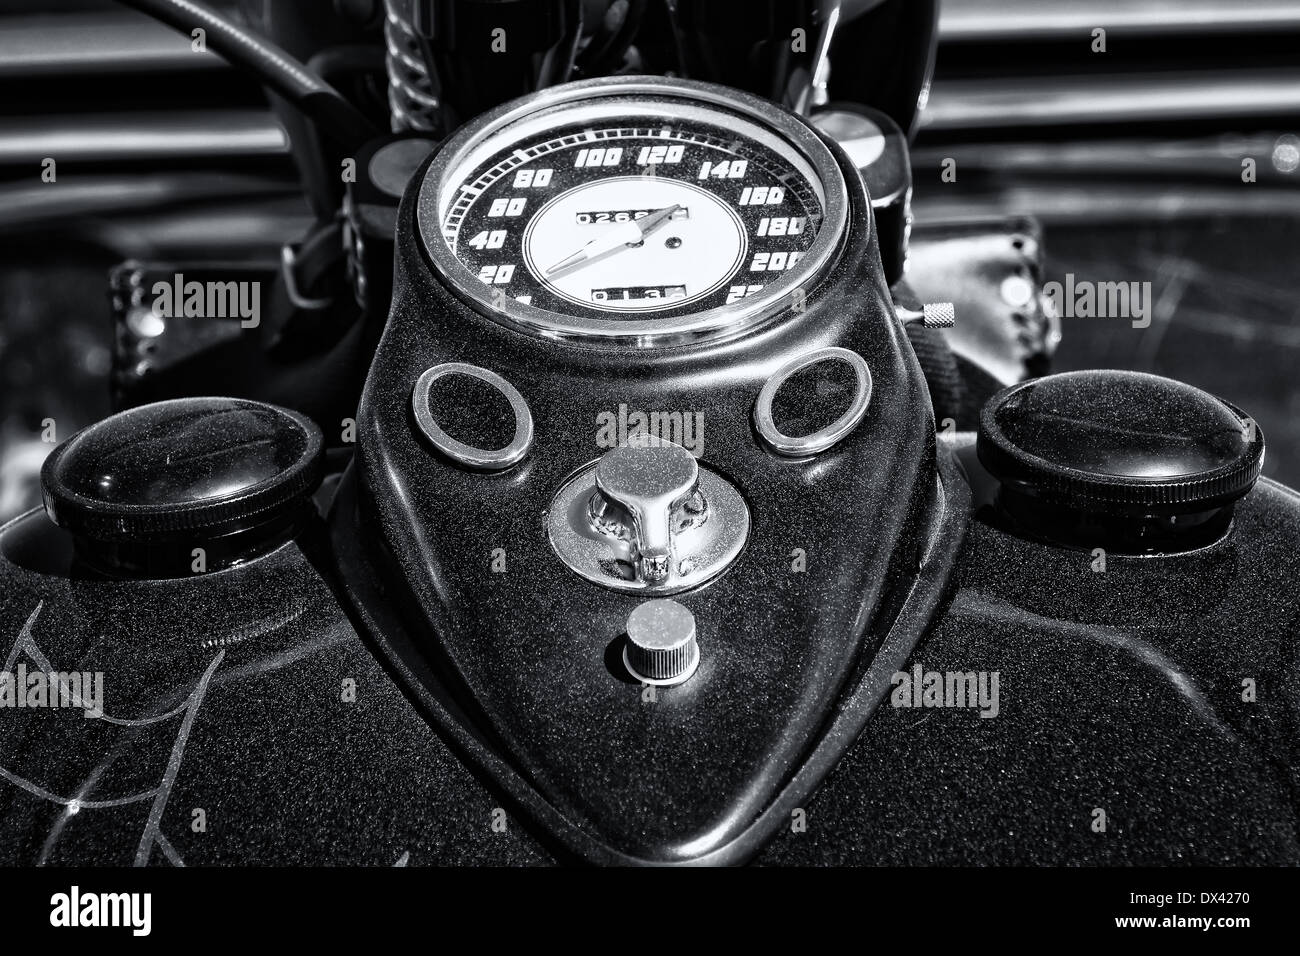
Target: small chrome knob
{"x": 661, "y": 647}
{"x": 933, "y": 315}
{"x": 649, "y": 480}
{"x": 939, "y": 315}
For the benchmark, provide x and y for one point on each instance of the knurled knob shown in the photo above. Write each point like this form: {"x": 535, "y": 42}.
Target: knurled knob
{"x": 939, "y": 315}
{"x": 661, "y": 647}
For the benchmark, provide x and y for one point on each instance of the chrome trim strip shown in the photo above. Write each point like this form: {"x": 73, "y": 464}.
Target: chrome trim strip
{"x": 103, "y": 137}
{"x": 94, "y": 43}
{"x": 1063, "y": 101}
{"x": 1026, "y": 20}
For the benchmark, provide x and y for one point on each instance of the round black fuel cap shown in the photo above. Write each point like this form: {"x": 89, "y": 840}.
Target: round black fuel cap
{"x": 1120, "y": 451}
{"x": 188, "y": 470}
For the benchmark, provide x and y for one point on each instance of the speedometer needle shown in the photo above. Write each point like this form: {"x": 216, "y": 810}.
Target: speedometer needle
{"x": 624, "y": 234}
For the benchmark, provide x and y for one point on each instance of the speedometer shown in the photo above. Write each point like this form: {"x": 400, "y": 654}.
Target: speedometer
{"x": 634, "y": 210}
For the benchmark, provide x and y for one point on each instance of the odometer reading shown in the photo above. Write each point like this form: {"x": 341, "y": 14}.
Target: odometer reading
{"x": 639, "y": 293}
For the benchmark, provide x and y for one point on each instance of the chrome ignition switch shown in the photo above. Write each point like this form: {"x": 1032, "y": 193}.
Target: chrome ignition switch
{"x": 648, "y": 517}
{"x": 650, "y": 484}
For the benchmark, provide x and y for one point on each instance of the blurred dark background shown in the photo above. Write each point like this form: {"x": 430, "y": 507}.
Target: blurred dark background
{"x": 1131, "y": 159}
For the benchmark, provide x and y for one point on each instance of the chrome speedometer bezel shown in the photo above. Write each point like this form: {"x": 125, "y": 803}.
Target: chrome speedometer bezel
{"x": 722, "y": 322}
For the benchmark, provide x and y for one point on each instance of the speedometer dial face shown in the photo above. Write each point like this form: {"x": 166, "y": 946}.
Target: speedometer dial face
{"x": 610, "y": 219}
{"x": 633, "y": 211}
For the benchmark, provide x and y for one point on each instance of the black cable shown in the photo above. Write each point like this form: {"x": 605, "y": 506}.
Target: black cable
{"x": 337, "y": 118}
{"x": 608, "y": 56}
